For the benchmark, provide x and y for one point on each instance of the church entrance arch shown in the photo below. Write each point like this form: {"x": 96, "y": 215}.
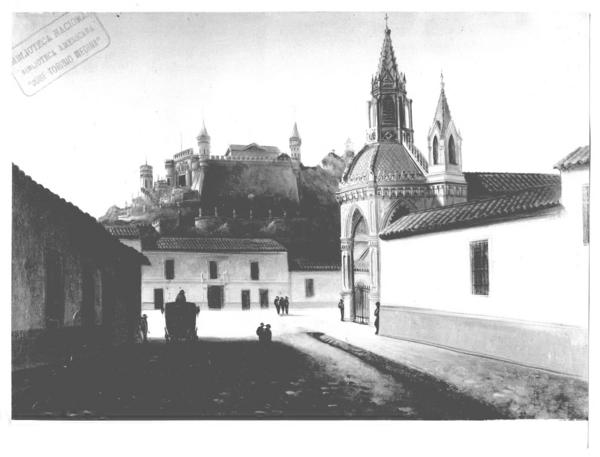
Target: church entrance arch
{"x": 361, "y": 268}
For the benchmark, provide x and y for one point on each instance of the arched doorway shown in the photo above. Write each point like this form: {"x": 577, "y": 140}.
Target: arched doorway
{"x": 361, "y": 269}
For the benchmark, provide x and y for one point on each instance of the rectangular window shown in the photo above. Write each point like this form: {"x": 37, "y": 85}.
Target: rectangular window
{"x": 213, "y": 269}
{"x": 309, "y": 287}
{"x": 586, "y": 213}
{"x": 169, "y": 269}
{"x": 159, "y": 299}
{"x": 254, "y": 274}
{"x": 480, "y": 283}
{"x": 55, "y": 290}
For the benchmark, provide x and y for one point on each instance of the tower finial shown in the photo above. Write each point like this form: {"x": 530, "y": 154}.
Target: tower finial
{"x": 386, "y": 21}
{"x": 442, "y": 79}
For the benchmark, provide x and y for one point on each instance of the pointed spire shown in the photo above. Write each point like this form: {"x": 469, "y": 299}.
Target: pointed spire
{"x": 387, "y": 59}
{"x": 203, "y": 132}
{"x": 442, "y": 112}
{"x": 295, "y": 133}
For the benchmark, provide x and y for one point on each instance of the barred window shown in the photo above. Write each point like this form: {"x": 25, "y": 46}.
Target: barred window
{"x": 586, "y": 213}
{"x": 480, "y": 282}
{"x": 309, "y": 287}
{"x": 169, "y": 269}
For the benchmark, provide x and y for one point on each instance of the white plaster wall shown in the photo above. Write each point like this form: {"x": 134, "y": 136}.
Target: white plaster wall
{"x": 192, "y": 275}
{"x": 327, "y": 287}
{"x": 537, "y": 271}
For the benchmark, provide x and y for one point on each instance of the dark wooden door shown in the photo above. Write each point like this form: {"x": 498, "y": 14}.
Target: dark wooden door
{"x": 159, "y": 299}
{"x": 215, "y": 297}
{"x": 264, "y": 298}
{"x": 245, "y": 299}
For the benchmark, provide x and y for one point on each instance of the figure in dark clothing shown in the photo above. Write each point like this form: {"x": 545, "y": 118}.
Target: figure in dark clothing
{"x": 260, "y": 332}
{"x": 267, "y": 334}
{"x": 341, "y": 308}
{"x": 180, "y": 297}
{"x": 286, "y": 305}
{"x": 144, "y": 327}
{"x": 376, "y": 318}
{"x": 277, "y": 305}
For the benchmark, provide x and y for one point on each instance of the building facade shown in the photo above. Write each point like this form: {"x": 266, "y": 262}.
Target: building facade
{"x": 461, "y": 259}
{"x": 72, "y": 283}
{"x": 215, "y": 273}
{"x": 389, "y": 177}
{"x": 513, "y": 280}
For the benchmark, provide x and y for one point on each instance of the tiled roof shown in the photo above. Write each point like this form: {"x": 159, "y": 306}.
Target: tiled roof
{"x": 381, "y": 159}
{"x": 124, "y": 231}
{"x": 485, "y": 185}
{"x": 80, "y": 222}
{"x": 580, "y": 156}
{"x": 314, "y": 265}
{"x": 518, "y": 204}
{"x": 218, "y": 245}
{"x": 253, "y": 148}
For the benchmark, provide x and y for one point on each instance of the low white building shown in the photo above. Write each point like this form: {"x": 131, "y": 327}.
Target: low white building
{"x": 505, "y": 276}
{"x": 215, "y": 273}
{"x": 314, "y": 283}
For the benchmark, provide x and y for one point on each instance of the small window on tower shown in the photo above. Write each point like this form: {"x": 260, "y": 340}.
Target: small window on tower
{"x": 213, "y": 269}
{"x": 435, "y": 151}
{"x": 451, "y": 151}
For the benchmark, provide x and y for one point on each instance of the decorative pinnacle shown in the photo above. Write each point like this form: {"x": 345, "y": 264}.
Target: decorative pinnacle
{"x": 386, "y": 21}
{"x": 442, "y": 79}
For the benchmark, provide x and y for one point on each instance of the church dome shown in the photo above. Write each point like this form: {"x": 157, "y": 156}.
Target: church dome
{"x": 382, "y": 162}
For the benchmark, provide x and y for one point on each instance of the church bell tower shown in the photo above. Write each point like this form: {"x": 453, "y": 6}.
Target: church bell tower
{"x": 389, "y": 110}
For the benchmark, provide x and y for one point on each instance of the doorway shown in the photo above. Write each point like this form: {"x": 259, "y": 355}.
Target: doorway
{"x": 215, "y": 297}
{"x": 361, "y": 304}
{"x": 264, "y": 298}
{"x": 245, "y": 299}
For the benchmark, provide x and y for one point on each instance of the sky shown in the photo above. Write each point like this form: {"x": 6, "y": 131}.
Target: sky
{"x": 517, "y": 85}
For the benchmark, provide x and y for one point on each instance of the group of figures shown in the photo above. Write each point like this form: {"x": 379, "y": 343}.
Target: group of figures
{"x": 264, "y": 333}
{"x": 282, "y": 305}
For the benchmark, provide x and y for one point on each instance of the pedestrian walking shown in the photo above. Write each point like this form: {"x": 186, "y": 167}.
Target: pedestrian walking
{"x": 180, "y": 297}
{"x": 144, "y": 327}
{"x": 286, "y": 304}
{"x": 376, "y": 318}
{"x": 341, "y": 308}
{"x": 277, "y": 306}
{"x": 268, "y": 335}
{"x": 260, "y": 332}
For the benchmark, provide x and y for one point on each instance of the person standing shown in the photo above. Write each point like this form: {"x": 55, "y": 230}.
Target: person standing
{"x": 268, "y": 336}
{"x": 260, "y": 332}
{"x": 277, "y": 306}
{"x": 376, "y": 318}
{"x": 144, "y": 327}
{"x": 341, "y": 308}
{"x": 287, "y": 305}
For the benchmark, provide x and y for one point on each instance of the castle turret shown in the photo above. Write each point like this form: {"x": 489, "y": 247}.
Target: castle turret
{"x": 295, "y": 144}
{"x": 170, "y": 172}
{"x": 203, "y": 143}
{"x": 146, "y": 181}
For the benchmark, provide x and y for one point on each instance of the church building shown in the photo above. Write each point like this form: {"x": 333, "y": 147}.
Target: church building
{"x": 486, "y": 263}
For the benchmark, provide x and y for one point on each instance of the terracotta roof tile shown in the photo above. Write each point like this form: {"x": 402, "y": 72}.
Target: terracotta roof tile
{"x": 485, "y": 185}
{"x": 314, "y": 265}
{"x": 218, "y": 245}
{"x": 522, "y": 203}
{"x": 580, "y": 156}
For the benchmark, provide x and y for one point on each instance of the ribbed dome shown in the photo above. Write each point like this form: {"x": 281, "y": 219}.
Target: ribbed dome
{"x": 385, "y": 162}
